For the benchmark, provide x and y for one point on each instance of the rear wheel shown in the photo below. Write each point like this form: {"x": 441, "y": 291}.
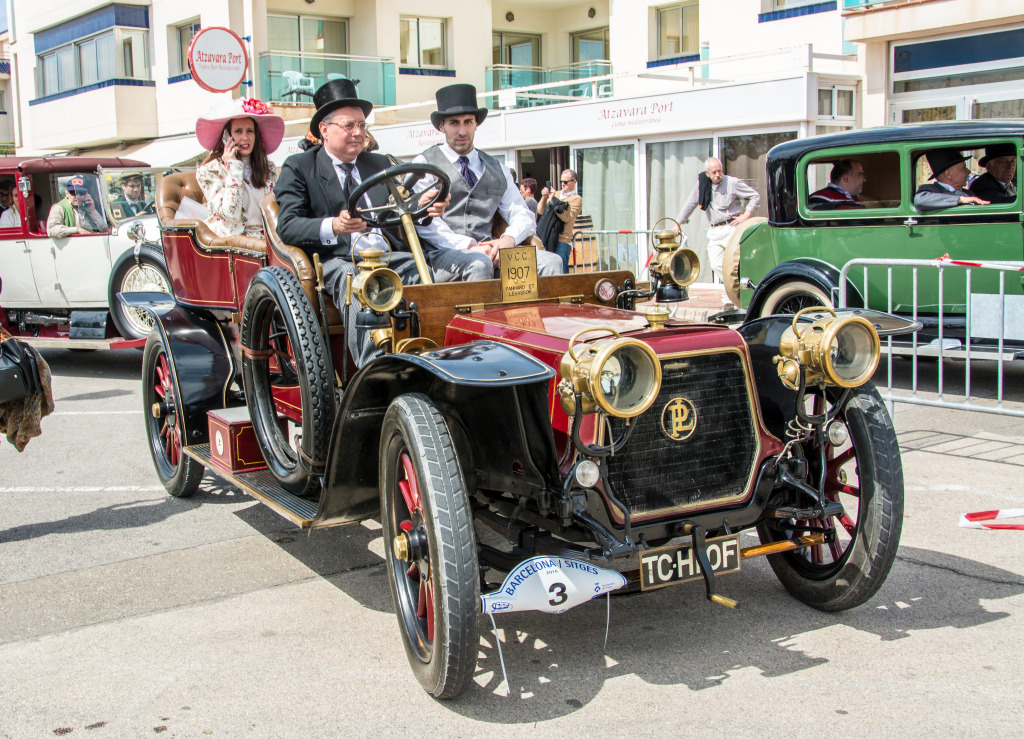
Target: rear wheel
{"x": 147, "y": 274}
{"x": 865, "y": 475}
{"x": 793, "y": 296}
{"x": 431, "y": 552}
{"x": 178, "y": 472}
{"x": 286, "y": 360}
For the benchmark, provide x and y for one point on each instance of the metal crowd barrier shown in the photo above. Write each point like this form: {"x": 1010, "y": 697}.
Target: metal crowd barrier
{"x": 604, "y": 250}
{"x": 992, "y": 329}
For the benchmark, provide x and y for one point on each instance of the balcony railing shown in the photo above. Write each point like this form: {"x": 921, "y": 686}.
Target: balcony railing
{"x": 849, "y": 5}
{"x": 561, "y": 84}
{"x": 292, "y": 77}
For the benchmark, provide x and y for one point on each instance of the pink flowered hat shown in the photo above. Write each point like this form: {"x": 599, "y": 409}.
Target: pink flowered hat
{"x": 269, "y": 125}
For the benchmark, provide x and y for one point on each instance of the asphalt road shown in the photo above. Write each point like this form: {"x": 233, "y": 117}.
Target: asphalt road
{"x": 127, "y": 613}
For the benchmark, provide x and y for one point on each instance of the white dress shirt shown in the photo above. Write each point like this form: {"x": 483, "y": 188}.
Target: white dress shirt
{"x": 371, "y": 237}
{"x": 521, "y": 222}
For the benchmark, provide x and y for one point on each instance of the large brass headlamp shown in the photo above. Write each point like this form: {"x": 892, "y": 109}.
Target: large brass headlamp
{"x": 618, "y": 376}
{"x": 672, "y": 261}
{"x": 376, "y": 286}
{"x": 833, "y": 351}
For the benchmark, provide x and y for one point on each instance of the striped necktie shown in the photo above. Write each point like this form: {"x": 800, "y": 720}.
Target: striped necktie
{"x": 467, "y": 173}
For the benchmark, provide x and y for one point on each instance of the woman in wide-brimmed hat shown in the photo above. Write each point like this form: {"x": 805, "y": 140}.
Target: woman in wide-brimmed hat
{"x": 236, "y": 175}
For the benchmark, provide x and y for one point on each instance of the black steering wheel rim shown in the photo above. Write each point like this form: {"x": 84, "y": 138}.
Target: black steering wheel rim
{"x": 391, "y": 214}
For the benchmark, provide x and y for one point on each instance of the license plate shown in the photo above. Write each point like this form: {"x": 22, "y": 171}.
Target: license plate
{"x": 674, "y": 565}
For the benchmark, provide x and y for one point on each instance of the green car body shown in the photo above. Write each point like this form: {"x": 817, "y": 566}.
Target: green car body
{"x": 798, "y": 253}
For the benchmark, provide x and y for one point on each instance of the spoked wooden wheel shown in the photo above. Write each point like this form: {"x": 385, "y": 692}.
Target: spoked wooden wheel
{"x": 863, "y": 472}
{"x": 430, "y": 548}
{"x": 178, "y": 472}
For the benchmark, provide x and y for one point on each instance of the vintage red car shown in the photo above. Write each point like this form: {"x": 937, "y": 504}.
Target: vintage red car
{"x": 62, "y": 291}
{"x": 609, "y": 448}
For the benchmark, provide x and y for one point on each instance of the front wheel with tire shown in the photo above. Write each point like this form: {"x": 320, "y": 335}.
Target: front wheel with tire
{"x": 430, "y": 546}
{"x": 286, "y": 356}
{"x": 863, "y": 473}
{"x": 145, "y": 274}
{"x": 178, "y": 472}
{"x": 793, "y": 296}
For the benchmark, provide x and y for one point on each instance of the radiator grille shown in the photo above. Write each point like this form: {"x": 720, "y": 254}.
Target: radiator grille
{"x": 655, "y": 473}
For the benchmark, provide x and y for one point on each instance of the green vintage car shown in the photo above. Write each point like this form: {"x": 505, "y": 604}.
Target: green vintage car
{"x": 794, "y": 258}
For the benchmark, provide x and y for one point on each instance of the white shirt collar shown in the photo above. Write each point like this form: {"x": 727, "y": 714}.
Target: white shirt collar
{"x": 473, "y": 155}
{"x": 563, "y": 195}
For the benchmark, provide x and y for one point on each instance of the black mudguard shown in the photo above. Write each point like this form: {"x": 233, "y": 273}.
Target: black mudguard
{"x": 815, "y": 271}
{"x": 494, "y": 399}
{"x": 778, "y": 402}
{"x": 200, "y": 358}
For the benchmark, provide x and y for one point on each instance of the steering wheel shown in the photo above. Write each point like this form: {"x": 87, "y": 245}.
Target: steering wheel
{"x": 404, "y": 200}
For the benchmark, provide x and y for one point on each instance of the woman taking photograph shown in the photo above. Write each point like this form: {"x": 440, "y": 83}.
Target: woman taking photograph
{"x": 239, "y": 134}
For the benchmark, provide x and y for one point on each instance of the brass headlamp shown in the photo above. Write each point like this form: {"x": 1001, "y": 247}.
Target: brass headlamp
{"x": 673, "y": 262}
{"x": 833, "y": 351}
{"x": 618, "y": 376}
{"x": 376, "y": 286}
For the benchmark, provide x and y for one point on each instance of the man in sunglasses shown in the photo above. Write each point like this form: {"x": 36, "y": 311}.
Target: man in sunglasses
{"x": 567, "y": 215}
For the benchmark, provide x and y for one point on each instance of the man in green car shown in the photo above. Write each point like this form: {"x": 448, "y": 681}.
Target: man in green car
{"x": 998, "y": 184}
{"x": 950, "y": 175}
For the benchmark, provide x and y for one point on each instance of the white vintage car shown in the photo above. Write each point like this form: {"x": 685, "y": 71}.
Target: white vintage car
{"x": 63, "y": 291}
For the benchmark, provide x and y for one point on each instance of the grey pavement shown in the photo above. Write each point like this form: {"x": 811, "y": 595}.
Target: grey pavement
{"x": 127, "y": 613}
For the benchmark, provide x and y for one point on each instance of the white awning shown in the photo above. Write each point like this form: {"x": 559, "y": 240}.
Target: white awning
{"x": 169, "y": 151}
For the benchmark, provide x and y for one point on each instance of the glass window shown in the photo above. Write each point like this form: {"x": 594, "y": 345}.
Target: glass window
{"x": 49, "y": 74}
{"x": 66, "y": 68}
{"x": 608, "y": 193}
{"x": 880, "y": 187}
{"x": 422, "y": 42}
{"x": 844, "y": 103}
{"x": 785, "y": 4}
{"x": 825, "y": 102}
{"x": 921, "y": 115}
{"x": 87, "y": 62}
{"x": 133, "y": 46}
{"x": 744, "y": 157}
{"x": 106, "y": 57}
{"x": 998, "y": 109}
{"x": 521, "y": 50}
{"x": 672, "y": 169}
{"x": 283, "y": 33}
{"x": 835, "y": 102}
{"x": 677, "y": 31}
{"x": 184, "y": 35}
{"x": 590, "y": 46}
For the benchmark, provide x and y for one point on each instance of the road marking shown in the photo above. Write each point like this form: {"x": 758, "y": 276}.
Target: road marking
{"x": 94, "y": 489}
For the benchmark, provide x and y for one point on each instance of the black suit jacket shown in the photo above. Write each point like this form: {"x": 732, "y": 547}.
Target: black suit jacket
{"x": 308, "y": 190}
{"x": 128, "y": 210}
{"x": 989, "y": 188}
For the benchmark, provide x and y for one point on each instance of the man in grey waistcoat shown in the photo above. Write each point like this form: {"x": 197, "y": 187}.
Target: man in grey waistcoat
{"x": 480, "y": 188}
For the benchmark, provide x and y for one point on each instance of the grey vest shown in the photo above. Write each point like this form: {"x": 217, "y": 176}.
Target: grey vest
{"x": 471, "y": 212}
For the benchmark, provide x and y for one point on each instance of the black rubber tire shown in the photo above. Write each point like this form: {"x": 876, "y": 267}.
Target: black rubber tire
{"x": 792, "y": 296}
{"x": 178, "y": 472}
{"x": 275, "y": 299}
{"x": 860, "y": 563}
{"x": 149, "y": 274}
{"x": 414, "y": 429}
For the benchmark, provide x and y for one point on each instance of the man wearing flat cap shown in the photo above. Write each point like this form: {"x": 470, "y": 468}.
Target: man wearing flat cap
{"x": 999, "y": 183}
{"x": 313, "y": 192}
{"x": 132, "y": 201}
{"x": 950, "y": 175}
{"x": 480, "y": 188}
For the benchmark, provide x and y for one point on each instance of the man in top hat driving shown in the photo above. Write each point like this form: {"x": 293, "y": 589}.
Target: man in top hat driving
{"x": 999, "y": 183}
{"x": 480, "y": 188}
{"x": 313, "y": 191}
{"x": 950, "y": 175}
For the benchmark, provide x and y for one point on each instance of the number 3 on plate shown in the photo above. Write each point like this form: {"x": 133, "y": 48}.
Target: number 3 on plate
{"x": 557, "y": 589}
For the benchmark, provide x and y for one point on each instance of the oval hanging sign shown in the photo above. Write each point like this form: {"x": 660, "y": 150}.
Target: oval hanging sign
{"x": 217, "y": 59}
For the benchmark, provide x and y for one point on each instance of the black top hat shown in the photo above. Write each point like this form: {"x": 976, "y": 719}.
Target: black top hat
{"x": 456, "y": 100}
{"x": 942, "y": 159}
{"x": 997, "y": 150}
{"x": 333, "y": 95}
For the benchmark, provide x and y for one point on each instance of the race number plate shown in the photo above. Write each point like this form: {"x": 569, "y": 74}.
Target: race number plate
{"x": 671, "y": 566}
{"x": 518, "y": 269}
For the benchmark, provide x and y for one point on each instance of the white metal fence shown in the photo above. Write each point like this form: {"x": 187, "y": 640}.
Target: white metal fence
{"x": 966, "y": 324}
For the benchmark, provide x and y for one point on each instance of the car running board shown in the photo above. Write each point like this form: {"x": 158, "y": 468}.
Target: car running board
{"x": 263, "y": 486}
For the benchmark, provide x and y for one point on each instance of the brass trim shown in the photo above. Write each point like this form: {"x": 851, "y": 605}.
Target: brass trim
{"x": 755, "y": 410}
{"x": 776, "y": 547}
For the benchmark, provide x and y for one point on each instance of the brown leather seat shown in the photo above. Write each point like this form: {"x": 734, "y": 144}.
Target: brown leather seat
{"x": 299, "y": 263}
{"x": 169, "y": 194}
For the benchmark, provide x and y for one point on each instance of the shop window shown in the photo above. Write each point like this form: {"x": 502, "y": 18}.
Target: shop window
{"x": 744, "y": 157}
{"x": 423, "y": 42}
{"x": 677, "y": 31}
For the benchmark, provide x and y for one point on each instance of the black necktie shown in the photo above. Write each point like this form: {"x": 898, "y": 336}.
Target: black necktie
{"x": 349, "y": 185}
{"x": 467, "y": 173}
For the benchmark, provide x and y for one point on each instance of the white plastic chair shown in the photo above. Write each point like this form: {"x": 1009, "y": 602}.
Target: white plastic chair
{"x": 296, "y": 83}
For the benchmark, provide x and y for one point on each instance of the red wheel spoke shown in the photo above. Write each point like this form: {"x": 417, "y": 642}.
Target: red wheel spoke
{"x": 835, "y": 549}
{"x": 406, "y": 491}
{"x": 411, "y": 492}
{"x": 848, "y": 523}
{"x": 428, "y": 587}
{"x": 413, "y": 573}
{"x": 405, "y": 525}
{"x": 421, "y": 600}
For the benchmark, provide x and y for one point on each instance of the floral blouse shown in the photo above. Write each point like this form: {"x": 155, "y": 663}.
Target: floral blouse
{"x": 232, "y": 204}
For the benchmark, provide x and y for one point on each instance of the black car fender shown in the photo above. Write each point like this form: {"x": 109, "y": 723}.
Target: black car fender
{"x": 494, "y": 399}
{"x": 778, "y": 402}
{"x": 200, "y": 358}
{"x": 815, "y": 271}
